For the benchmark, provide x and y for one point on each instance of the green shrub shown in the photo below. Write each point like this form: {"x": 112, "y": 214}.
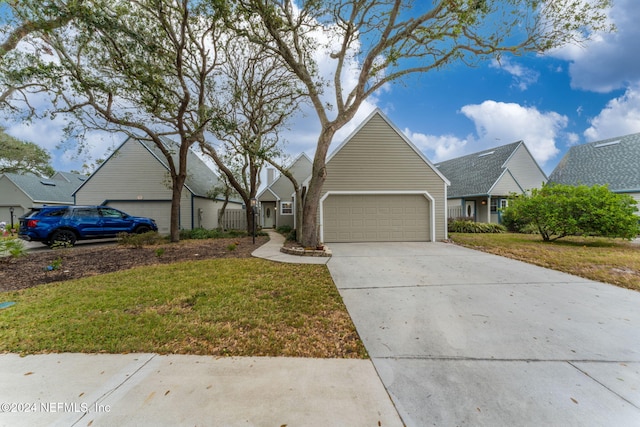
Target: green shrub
{"x": 232, "y": 247}
{"x": 557, "y": 211}
{"x": 284, "y": 229}
{"x": 12, "y": 247}
{"x": 203, "y": 233}
{"x": 466, "y": 226}
{"x": 139, "y": 240}
{"x": 199, "y": 233}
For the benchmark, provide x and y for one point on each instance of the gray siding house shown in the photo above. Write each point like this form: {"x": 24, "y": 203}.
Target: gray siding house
{"x": 614, "y": 162}
{"x": 276, "y": 199}
{"x": 482, "y": 182}
{"x": 23, "y": 192}
{"x": 135, "y": 179}
{"x": 381, "y": 188}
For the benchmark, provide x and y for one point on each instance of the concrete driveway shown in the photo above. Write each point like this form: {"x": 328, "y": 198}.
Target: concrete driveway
{"x": 464, "y": 338}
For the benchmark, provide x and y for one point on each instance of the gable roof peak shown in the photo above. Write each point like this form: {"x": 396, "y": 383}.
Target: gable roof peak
{"x": 378, "y": 112}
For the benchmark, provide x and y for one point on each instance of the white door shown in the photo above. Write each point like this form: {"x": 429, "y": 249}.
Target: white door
{"x": 470, "y": 209}
{"x": 268, "y": 215}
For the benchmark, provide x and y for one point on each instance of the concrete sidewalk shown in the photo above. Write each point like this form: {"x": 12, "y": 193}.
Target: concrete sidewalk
{"x": 271, "y": 251}
{"x": 175, "y": 390}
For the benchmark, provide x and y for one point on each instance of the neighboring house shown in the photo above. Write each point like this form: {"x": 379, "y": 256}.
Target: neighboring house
{"x": 23, "y": 192}
{"x": 276, "y": 200}
{"x": 614, "y": 162}
{"x": 482, "y": 182}
{"x": 381, "y": 188}
{"x": 136, "y": 179}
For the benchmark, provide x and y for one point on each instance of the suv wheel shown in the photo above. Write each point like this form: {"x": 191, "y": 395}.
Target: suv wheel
{"x": 143, "y": 229}
{"x": 63, "y": 237}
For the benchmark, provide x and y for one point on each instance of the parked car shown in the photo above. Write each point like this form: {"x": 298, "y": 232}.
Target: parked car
{"x": 67, "y": 224}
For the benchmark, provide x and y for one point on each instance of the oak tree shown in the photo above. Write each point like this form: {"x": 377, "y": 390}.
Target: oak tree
{"x": 388, "y": 40}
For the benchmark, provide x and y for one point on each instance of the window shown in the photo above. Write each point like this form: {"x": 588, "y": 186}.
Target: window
{"x": 110, "y": 213}
{"x": 286, "y": 208}
{"x": 85, "y": 213}
{"x": 504, "y": 203}
{"x": 494, "y": 205}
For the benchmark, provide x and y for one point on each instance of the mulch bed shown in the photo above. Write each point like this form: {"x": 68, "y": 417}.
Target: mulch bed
{"x": 74, "y": 263}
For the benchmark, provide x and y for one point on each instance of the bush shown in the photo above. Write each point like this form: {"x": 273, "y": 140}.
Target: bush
{"x": 467, "y": 226}
{"x": 200, "y": 233}
{"x": 139, "y": 240}
{"x": 284, "y": 229}
{"x": 203, "y": 233}
{"x": 558, "y": 210}
{"x": 12, "y": 247}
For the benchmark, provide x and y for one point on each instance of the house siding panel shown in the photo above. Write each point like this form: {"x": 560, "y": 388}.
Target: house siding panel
{"x": 525, "y": 170}
{"x": 377, "y": 159}
{"x": 12, "y": 196}
{"x": 505, "y": 186}
{"x": 130, "y": 174}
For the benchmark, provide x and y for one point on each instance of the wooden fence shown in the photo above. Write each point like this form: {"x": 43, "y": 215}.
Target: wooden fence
{"x": 233, "y": 219}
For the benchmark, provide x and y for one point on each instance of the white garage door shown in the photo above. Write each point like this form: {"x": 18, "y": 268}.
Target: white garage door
{"x": 160, "y": 211}
{"x": 376, "y": 218}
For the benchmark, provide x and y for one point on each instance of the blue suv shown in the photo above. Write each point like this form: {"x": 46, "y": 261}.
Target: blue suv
{"x": 66, "y": 224}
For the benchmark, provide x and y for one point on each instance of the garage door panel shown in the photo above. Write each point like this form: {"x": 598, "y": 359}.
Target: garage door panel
{"x": 371, "y": 218}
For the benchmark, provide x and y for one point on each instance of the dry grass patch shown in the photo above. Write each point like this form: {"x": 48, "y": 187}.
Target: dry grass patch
{"x": 606, "y": 260}
{"x": 226, "y": 307}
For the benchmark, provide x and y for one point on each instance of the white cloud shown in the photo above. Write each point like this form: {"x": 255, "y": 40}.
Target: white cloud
{"x": 610, "y": 61}
{"x": 523, "y": 77}
{"x": 621, "y": 116}
{"x": 498, "y": 123}
{"x": 508, "y": 122}
{"x": 438, "y": 147}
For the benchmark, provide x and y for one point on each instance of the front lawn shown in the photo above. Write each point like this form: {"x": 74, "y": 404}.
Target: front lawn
{"x": 612, "y": 261}
{"x": 225, "y": 307}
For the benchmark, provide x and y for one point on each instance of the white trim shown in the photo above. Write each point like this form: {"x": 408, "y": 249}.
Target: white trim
{"x": 383, "y": 192}
{"x": 446, "y": 212}
{"x": 259, "y": 196}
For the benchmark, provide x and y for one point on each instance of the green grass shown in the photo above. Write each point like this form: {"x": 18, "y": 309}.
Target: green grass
{"x": 239, "y": 307}
{"x": 612, "y": 261}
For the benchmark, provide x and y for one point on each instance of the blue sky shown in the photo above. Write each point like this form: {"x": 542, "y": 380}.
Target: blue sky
{"x": 567, "y": 97}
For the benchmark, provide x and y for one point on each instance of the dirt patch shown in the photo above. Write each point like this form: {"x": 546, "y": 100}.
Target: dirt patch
{"x": 73, "y": 263}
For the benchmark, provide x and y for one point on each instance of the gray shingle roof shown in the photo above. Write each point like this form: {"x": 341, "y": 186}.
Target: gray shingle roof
{"x": 45, "y": 190}
{"x": 475, "y": 174}
{"x": 614, "y": 161}
{"x": 70, "y": 177}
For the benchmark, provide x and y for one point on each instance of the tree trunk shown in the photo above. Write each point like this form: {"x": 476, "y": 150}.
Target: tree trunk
{"x": 250, "y": 220}
{"x": 308, "y": 236}
{"x": 176, "y": 195}
{"x": 301, "y": 193}
{"x": 223, "y": 209}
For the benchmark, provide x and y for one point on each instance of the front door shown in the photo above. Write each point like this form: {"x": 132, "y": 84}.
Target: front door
{"x": 470, "y": 209}
{"x": 268, "y": 215}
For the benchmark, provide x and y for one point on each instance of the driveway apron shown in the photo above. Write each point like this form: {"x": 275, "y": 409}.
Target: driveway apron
{"x": 464, "y": 338}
